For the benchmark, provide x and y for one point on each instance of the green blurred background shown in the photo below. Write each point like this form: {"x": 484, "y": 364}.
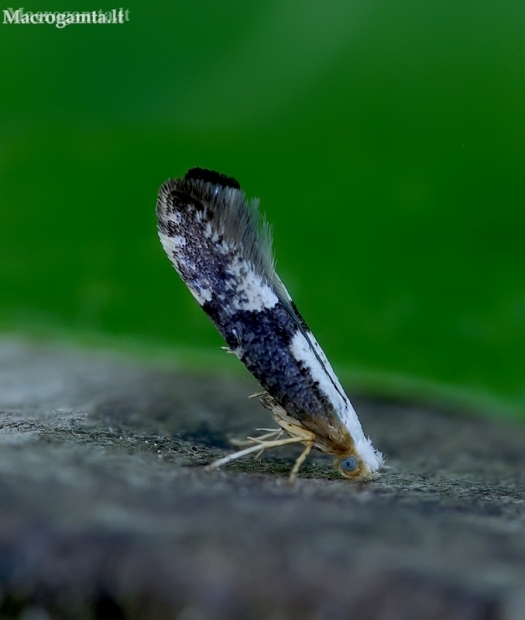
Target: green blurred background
{"x": 385, "y": 140}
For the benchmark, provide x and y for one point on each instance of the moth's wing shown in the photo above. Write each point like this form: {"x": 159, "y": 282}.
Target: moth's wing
{"x": 221, "y": 248}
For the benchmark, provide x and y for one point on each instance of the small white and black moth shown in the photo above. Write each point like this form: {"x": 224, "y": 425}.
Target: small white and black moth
{"x": 222, "y": 251}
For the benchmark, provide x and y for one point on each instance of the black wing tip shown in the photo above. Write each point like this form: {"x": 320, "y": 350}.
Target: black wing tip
{"x": 210, "y": 176}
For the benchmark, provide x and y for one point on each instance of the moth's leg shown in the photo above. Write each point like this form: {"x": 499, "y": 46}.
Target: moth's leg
{"x": 300, "y": 460}
{"x": 259, "y": 454}
{"x": 270, "y": 430}
{"x": 258, "y": 394}
{"x": 274, "y": 432}
{"x": 259, "y": 446}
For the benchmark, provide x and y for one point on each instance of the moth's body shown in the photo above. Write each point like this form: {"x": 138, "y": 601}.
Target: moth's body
{"x": 213, "y": 239}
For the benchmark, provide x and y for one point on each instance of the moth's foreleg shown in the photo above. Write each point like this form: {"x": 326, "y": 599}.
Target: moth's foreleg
{"x": 300, "y": 460}
{"x": 258, "y": 446}
{"x": 273, "y": 433}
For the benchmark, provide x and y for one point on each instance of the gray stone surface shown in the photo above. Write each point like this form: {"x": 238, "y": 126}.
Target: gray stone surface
{"x": 106, "y": 510}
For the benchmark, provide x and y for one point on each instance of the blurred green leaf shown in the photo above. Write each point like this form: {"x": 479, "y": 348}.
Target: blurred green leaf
{"x": 385, "y": 140}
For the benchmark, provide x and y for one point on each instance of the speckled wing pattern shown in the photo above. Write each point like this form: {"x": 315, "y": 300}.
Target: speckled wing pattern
{"x": 222, "y": 251}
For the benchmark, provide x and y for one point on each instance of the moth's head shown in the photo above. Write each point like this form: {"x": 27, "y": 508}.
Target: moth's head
{"x": 353, "y": 467}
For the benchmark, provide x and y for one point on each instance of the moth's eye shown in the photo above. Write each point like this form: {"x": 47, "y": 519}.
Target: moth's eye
{"x": 349, "y": 465}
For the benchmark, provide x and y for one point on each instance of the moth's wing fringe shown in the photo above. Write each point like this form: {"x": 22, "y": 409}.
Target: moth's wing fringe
{"x": 242, "y": 224}
{"x": 243, "y": 227}
{"x": 237, "y": 221}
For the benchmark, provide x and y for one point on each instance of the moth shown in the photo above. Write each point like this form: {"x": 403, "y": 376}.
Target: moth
{"x": 221, "y": 248}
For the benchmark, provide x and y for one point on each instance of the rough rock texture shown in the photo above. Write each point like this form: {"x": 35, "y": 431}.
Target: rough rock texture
{"x": 106, "y": 510}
